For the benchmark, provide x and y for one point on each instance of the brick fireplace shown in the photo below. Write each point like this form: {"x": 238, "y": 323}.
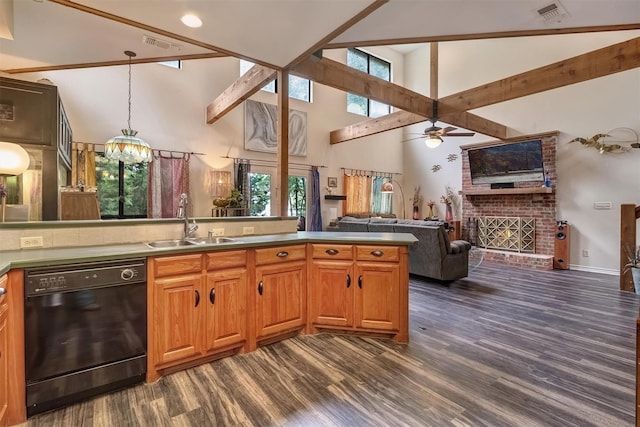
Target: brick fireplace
{"x": 527, "y": 199}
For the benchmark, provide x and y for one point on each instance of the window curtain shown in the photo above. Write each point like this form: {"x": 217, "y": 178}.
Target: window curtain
{"x": 315, "y": 220}
{"x": 168, "y": 178}
{"x": 380, "y": 202}
{"x": 357, "y": 188}
{"x": 83, "y": 164}
{"x": 241, "y": 168}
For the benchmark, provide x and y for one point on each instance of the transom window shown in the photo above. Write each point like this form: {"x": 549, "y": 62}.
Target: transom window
{"x": 376, "y": 67}
{"x": 299, "y": 88}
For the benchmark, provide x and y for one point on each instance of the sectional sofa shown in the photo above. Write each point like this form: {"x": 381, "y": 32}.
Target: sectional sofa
{"x": 434, "y": 255}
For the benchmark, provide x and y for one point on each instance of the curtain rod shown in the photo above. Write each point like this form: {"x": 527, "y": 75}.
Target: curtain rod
{"x": 153, "y": 149}
{"x": 271, "y": 162}
{"x": 368, "y": 172}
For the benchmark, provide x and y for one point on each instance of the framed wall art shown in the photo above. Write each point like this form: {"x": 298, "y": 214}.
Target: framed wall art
{"x": 260, "y": 133}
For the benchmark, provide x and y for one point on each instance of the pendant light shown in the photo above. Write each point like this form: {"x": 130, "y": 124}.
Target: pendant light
{"x": 127, "y": 147}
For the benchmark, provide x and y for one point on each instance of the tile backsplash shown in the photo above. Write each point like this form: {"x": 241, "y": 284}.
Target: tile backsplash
{"x": 61, "y": 236}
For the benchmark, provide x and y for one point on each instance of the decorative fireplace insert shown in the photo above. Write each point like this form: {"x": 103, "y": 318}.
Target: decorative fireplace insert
{"x": 507, "y": 233}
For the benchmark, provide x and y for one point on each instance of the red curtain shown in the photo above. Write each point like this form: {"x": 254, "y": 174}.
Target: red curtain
{"x": 168, "y": 178}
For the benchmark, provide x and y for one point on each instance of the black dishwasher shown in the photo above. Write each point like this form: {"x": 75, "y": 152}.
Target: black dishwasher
{"x": 85, "y": 331}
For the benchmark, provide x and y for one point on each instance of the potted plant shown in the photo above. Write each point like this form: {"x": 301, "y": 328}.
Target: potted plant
{"x": 633, "y": 264}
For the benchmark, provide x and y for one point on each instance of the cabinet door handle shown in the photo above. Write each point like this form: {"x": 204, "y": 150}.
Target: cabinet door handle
{"x": 360, "y": 282}
{"x": 3, "y": 291}
{"x": 348, "y": 280}
{"x": 260, "y": 287}
{"x": 212, "y": 295}
{"x": 197, "y": 298}
{"x": 377, "y": 253}
{"x": 282, "y": 254}
{"x": 332, "y": 251}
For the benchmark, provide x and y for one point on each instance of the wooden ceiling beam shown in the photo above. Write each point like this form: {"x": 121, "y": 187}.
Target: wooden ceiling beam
{"x": 598, "y": 63}
{"x": 369, "y": 127}
{"x": 345, "y": 78}
{"x": 245, "y": 86}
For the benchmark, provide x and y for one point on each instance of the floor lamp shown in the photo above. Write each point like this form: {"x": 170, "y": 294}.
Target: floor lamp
{"x": 387, "y": 187}
{"x": 14, "y": 160}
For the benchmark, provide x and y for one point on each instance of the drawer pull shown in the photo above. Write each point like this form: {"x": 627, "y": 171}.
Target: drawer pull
{"x": 282, "y": 254}
{"x": 3, "y": 291}
{"x": 212, "y": 295}
{"x": 332, "y": 251}
{"x": 360, "y": 282}
{"x": 377, "y": 253}
{"x": 348, "y": 280}
{"x": 197, "y": 298}
{"x": 260, "y": 287}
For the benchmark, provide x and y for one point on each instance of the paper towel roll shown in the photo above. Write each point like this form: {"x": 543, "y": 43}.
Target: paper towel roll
{"x": 333, "y": 213}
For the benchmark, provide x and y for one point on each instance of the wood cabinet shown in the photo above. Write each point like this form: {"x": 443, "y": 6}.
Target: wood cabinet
{"x": 226, "y": 300}
{"x": 198, "y": 309}
{"x": 174, "y": 327}
{"x": 357, "y": 288}
{"x": 4, "y": 351}
{"x": 280, "y": 290}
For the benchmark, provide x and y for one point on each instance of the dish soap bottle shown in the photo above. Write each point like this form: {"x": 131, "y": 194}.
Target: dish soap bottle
{"x": 547, "y": 180}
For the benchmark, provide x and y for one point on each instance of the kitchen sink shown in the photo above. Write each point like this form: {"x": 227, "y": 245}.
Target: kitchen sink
{"x": 163, "y": 244}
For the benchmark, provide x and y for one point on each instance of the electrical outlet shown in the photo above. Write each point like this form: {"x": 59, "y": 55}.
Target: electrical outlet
{"x": 217, "y": 232}
{"x": 31, "y": 242}
{"x": 248, "y": 230}
{"x": 586, "y": 253}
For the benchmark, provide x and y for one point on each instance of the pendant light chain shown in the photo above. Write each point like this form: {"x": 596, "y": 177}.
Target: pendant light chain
{"x": 129, "y": 120}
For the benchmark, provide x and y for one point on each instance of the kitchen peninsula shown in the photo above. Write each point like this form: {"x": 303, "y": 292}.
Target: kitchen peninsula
{"x": 210, "y": 301}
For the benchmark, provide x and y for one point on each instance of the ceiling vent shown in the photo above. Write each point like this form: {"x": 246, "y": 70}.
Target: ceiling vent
{"x": 553, "y": 12}
{"x": 162, "y": 44}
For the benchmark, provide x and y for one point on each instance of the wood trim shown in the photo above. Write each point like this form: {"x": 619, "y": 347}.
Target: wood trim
{"x": 17, "y": 410}
{"x": 598, "y": 63}
{"x": 282, "y": 168}
{"x": 518, "y": 138}
{"x": 245, "y": 86}
{"x": 628, "y": 224}
{"x": 479, "y": 36}
{"x": 335, "y": 33}
{"x": 114, "y": 63}
{"x": 500, "y": 191}
{"x": 160, "y": 31}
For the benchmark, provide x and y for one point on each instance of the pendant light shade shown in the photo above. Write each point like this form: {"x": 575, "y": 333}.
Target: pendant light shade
{"x": 127, "y": 147}
{"x": 14, "y": 159}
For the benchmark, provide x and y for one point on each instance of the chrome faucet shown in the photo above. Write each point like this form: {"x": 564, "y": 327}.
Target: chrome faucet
{"x": 183, "y": 213}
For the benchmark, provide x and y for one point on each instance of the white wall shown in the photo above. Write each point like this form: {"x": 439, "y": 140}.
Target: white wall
{"x": 583, "y": 109}
{"x": 168, "y": 111}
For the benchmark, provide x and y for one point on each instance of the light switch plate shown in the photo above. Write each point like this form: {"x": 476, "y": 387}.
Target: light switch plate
{"x": 217, "y": 232}
{"x": 31, "y": 242}
{"x": 248, "y": 230}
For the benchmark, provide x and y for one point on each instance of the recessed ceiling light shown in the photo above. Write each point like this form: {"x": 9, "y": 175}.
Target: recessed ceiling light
{"x": 191, "y": 21}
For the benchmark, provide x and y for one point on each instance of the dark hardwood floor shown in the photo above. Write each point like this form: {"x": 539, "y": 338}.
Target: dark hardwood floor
{"x": 504, "y": 347}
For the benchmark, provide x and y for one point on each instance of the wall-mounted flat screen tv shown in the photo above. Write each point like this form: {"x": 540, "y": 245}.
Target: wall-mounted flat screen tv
{"x": 508, "y": 163}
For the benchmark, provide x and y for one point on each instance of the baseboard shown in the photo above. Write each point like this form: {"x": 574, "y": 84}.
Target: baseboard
{"x": 589, "y": 269}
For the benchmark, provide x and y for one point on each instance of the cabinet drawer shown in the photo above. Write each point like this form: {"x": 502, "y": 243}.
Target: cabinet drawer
{"x": 170, "y": 265}
{"x": 377, "y": 253}
{"x": 280, "y": 254}
{"x": 329, "y": 251}
{"x": 226, "y": 259}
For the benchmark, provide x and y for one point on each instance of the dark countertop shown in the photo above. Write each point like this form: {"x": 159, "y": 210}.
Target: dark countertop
{"x": 71, "y": 255}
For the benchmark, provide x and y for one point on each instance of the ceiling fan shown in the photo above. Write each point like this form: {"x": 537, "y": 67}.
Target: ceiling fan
{"x": 433, "y": 134}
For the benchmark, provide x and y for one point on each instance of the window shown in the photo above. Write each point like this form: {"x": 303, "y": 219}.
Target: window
{"x": 171, "y": 64}
{"x": 122, "y": 188}
{"x": 260, "y": 195}
{"x": 299, "y": 88}
{"x": 376, "y": 67}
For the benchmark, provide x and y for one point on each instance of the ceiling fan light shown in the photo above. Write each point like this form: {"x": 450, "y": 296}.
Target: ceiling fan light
{"x": 433, "y": 141}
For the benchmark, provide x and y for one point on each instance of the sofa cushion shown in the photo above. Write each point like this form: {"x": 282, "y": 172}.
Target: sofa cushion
{"x": 382, "y": 225}
{"x": 420, "y": 223}
{"x": 353, "y": 224}
{"x": 458, "y": 246}
{"x": 383, "y": 220}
